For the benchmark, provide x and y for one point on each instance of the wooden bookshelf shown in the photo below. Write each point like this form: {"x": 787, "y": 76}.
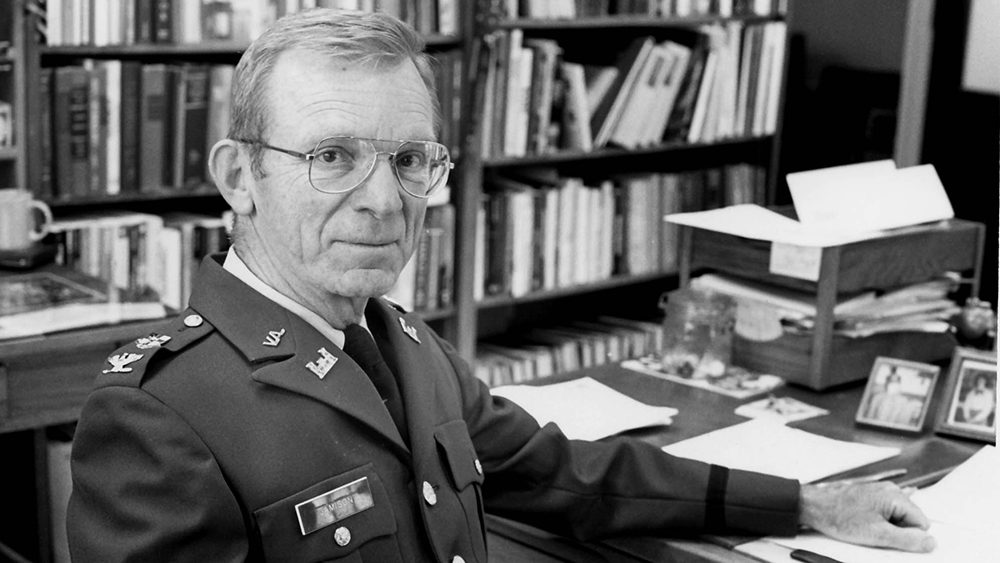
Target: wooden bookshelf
{"x": 486, "y": 161}
{"x": 575, "y": 290}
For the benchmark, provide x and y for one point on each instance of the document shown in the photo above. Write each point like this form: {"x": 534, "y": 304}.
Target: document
{"x": 869, "y": 197}
{"x": 585, "y": 409}
{"x": 962, "y": 508}
{"x": 765, "y": 445}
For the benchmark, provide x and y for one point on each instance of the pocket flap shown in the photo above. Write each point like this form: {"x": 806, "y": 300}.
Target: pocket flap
{"x": 459, "y": 453}
{"x": 303, "y": 526}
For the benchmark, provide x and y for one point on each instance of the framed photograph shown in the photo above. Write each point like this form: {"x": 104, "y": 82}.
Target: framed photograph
{"x": 969, "y": 407}
{"x": 898, "y": 394}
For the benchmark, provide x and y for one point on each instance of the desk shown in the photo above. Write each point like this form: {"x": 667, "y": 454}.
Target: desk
{"x": 926, "y": 456}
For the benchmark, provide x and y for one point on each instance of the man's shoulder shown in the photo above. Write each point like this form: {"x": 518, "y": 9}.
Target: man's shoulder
{"x": 129, "y": 364}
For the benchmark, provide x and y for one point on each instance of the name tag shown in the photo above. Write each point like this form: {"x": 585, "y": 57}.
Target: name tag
{"x": 333, "y": 506}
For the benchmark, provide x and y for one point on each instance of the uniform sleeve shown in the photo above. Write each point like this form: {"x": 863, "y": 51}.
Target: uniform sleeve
{"x": 588, "y": 490}
{"x": 145, "y": 487}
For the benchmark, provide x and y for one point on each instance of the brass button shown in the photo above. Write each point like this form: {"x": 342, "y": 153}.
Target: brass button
{"x": 429, "y": 495}
{"x": 479, "y": 467}
{"x": 193, "y": 321}
{"x": 342, "y": 536}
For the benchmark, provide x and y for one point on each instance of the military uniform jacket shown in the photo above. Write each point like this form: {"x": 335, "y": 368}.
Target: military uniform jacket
{"x": 217, "y": 441}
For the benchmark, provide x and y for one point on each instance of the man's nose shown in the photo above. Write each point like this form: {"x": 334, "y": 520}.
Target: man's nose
{"x": 381, "y": 193}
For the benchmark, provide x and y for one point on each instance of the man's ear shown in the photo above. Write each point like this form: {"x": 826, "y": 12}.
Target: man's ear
{"x": 229, "y": 164}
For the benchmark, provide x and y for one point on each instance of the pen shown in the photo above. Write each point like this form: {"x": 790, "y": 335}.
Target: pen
{"x": 811, "y": 557}
{"x": 874, "y": 477}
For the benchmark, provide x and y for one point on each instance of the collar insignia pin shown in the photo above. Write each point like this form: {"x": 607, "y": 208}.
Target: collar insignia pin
{"x": 152, "y": 341}
{"x": 409, "y": 330}
{"x": 119, "y": 361}
{"x": 274, "y": 337}
{"x": 322, "y": 365}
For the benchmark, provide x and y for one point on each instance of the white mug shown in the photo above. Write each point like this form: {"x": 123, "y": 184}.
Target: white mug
{"x": 19, "y": 227}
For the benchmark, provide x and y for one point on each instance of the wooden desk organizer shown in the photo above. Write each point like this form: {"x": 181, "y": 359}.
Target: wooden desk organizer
{"x": 822, "y": 359}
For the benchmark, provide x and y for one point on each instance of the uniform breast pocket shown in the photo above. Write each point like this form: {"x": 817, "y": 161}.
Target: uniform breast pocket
{"x": 459, "y": 456}
{"x": 346, "y": 518}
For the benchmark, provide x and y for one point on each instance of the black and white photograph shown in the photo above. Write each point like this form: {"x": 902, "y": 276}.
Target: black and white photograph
{"x": 970, "y": 406}
{"x": 898, "y": 394}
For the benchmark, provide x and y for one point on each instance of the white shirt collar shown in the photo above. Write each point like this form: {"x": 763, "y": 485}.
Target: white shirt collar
{"x": 235, "y": 266}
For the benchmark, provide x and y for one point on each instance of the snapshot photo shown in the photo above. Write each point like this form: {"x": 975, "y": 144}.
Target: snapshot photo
{"x": 898, "y": 394}
{"x": 971, "y": 396}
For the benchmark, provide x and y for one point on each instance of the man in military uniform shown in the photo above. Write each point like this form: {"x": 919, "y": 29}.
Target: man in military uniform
{"x": 293, "y": 415}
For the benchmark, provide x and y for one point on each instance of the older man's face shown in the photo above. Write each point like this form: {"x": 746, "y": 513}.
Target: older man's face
{"x": 352, "y": 244}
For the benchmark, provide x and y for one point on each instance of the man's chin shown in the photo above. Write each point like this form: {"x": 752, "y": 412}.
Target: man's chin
{"x": 363, "y": 283}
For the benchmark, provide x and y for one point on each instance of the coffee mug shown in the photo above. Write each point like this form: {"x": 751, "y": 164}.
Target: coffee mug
{"x": 18, "y": 221}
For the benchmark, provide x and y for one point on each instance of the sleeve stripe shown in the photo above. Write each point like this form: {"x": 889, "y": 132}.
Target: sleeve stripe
{"x": 715, "y": 498}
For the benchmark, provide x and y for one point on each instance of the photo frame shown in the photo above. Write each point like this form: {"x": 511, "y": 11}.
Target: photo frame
{"x": 898, "y": 394}
{"x": 968, "y": 408}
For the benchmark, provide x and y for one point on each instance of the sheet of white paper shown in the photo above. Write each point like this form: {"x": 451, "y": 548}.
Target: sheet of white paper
{"x": 864, "y": 199}
{"x": 768, "y": 446}
{"x": 962, "y": 508}
{"x": 755, "y": 222}
{"x": 585, "y": 409}
{"x": 795, "y": 261}
{"x": 813, "y": 191}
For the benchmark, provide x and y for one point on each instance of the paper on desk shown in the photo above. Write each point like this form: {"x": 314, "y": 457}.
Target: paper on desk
{"x": 768, "y": 446}
{"x": 869, "y": 197}
{"x": 585, "y": 409}
{"x": 962, "y": 508}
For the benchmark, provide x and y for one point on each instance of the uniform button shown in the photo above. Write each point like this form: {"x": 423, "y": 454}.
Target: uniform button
{"x": 342, "y": 536}
{"x": 457, "y": 559}
{"x": 479, "y": 467}
{"x": 429, "y": 495}
{"x": 193, "y": 321}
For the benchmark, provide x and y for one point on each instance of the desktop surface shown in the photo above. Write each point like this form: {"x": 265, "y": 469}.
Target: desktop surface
{"x": 925, "y": 456}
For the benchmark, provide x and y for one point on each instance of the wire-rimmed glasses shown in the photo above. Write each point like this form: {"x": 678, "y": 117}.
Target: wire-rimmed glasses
{"x": 339, "y": 164}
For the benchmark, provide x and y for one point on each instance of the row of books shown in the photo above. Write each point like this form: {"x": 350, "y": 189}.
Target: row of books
{"x": 544, "y": 231}
{"x": 129, "y": 22}
{"x": 142, "y": 254}
{"x": 725, "y": 84}
{"x": 568, "y": 9}
{"x": 427, "y": 281}
{"x": 120, "y": 126}
{"x": 542, "y": 352}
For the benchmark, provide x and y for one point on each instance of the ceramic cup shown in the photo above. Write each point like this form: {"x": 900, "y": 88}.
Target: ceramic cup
{"x": 19, "y": 214}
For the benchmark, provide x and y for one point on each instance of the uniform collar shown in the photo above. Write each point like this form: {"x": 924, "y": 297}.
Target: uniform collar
{"x": 237, "y": 267}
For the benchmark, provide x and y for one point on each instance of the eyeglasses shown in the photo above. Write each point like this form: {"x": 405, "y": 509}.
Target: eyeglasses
{"x": 337, "y": 165}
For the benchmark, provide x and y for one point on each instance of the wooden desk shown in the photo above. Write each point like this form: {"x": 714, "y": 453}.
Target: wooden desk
{"x": 927, "y": 457}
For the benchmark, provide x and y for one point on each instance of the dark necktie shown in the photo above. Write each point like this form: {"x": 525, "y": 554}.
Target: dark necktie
{"x": 359, "y": 345}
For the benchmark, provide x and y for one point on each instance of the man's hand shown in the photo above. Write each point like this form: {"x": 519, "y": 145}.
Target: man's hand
{"x": 874, "y": 514}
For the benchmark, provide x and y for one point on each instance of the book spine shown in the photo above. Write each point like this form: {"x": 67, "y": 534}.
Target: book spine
{"x": 195, "y": 115}
{"x": 130, "y": 126}
{"x": 153, "y": 119}
{"x": 46, "y": 184}
{"x": 77, "y": 179}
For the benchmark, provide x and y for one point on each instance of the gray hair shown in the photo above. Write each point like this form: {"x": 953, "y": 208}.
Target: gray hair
{"x": 374, "y": 39}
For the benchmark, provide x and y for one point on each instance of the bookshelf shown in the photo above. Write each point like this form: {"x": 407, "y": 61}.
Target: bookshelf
{"x": 596, "y": 40}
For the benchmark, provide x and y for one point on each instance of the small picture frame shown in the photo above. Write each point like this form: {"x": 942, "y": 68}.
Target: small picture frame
{"x": 969, "y": 406}
{"x": 898, "y": 394}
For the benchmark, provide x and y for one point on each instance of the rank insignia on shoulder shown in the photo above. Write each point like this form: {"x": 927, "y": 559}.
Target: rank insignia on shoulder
{"x": 152, "y": 341}
{"x": 119, "y": 361}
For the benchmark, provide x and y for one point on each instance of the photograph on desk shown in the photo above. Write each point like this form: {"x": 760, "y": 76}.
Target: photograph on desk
{"x": 898, "y": 394}
{"x": 970, "y": 401}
